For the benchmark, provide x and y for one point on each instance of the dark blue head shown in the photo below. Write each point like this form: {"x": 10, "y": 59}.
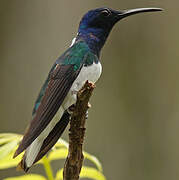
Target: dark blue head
{"x": 96, "y": 24}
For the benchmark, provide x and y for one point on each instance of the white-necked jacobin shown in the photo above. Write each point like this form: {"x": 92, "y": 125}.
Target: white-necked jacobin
{"x": 76, "y": 65}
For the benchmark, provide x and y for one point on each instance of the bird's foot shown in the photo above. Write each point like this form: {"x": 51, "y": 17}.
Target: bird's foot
{"x": 89, "y": 105}
{"x": 74, "y": 92}
{"x": 71, "y": 109}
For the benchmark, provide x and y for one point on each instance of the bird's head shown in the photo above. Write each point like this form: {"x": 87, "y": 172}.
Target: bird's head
{"x": 103, "y": 19}
{"x": 97, "y": 23}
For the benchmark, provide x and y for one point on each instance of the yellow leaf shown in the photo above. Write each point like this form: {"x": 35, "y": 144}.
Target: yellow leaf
{"x": 91, "y": 173}
{"x": 94, "y": 160}
{"x": 8, "y": 135}
{"x": 6, "y": 140}
{"x": 7, "y": 148}
{"x": 58, "y": 154}
{"x": 8, "y": 161}
{"x": 59, "y": 175}
{"x": 61, "y": 143}
{"x": 27, "y": 177}
{"x": 86, "y": 172}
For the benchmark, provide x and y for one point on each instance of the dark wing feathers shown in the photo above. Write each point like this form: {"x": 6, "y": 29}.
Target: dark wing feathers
{"x": 50, "y": 140}
{"x": 60, "y": 82}
{"x": 54, "y": 135}
{"x": 42, "y": 91}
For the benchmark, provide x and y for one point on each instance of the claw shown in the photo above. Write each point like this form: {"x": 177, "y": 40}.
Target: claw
{"x": 71, "y": 109}
{"x": 89, "y": 105}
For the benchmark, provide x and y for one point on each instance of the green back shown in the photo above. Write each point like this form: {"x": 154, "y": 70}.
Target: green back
{"x": 78, "y": 54}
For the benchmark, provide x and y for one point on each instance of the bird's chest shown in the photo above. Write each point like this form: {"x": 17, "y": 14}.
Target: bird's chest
{"x": 90, "y": 73}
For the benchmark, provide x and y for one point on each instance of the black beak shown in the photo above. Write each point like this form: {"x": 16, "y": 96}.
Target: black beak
{"x": 129, "y": 12}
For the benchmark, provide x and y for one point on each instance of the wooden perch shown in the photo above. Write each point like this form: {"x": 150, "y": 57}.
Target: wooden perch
{"x": 74, "y": 159}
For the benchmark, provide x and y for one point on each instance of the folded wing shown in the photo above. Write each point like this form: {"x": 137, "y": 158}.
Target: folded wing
{"x": 60, "y": 82}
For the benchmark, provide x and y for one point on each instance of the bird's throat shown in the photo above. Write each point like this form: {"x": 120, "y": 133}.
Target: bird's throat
{"x": 93, "y": 40}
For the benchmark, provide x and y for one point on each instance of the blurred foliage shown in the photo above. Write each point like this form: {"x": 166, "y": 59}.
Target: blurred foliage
{"x": 9, "y": 143}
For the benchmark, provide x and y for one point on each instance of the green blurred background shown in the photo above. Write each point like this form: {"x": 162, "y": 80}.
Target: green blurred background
{"x": 133, "y": 125}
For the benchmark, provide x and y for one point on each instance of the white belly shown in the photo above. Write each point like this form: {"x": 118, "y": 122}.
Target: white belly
{"x": 90, "y": 73}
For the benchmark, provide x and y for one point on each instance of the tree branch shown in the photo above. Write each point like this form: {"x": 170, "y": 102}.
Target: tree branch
{"x": 74, "y": 159}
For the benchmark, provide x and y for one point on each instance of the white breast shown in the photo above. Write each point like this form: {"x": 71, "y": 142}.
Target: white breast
{"x": 90, "y": 73}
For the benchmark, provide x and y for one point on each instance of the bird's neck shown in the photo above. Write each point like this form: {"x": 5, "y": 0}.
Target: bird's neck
{"x": 95, "y": 39}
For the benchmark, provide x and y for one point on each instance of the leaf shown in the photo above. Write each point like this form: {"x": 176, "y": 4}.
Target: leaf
{"x": 7, "y": 137}
{"x": 58, "y": 154}
{"x": 8, "y": 161}
{"x": 9, "y": 143}
{"x": 86, "y": 172}
{"x": 7, "y": 148}
{"x": 27, "y": 177}
{"x": 59, "y": 175}
{"x": 94, "y": 160}
{"x": 61, "y": 142}
{"x": 92, "y": 173}
{"x": 6, "y": 140}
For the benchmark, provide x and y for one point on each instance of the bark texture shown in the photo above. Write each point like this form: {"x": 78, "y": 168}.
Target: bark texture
{"x": 77, "y": 129}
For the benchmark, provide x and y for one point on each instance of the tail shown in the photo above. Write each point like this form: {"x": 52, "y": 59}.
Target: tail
{"x": 41, "y": 146}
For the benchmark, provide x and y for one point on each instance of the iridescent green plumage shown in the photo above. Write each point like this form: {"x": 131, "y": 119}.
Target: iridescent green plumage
{"x": 79, "y": 54}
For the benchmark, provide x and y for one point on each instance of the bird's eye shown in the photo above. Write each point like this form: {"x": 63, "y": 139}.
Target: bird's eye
{"x": 105, "y": 13}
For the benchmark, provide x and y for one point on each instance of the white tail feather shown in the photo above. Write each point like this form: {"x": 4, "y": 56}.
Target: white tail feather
{"x": 33, "y": 150}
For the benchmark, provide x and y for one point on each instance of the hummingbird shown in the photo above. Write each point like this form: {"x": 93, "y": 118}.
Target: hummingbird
{"x": 79, "y": 63}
